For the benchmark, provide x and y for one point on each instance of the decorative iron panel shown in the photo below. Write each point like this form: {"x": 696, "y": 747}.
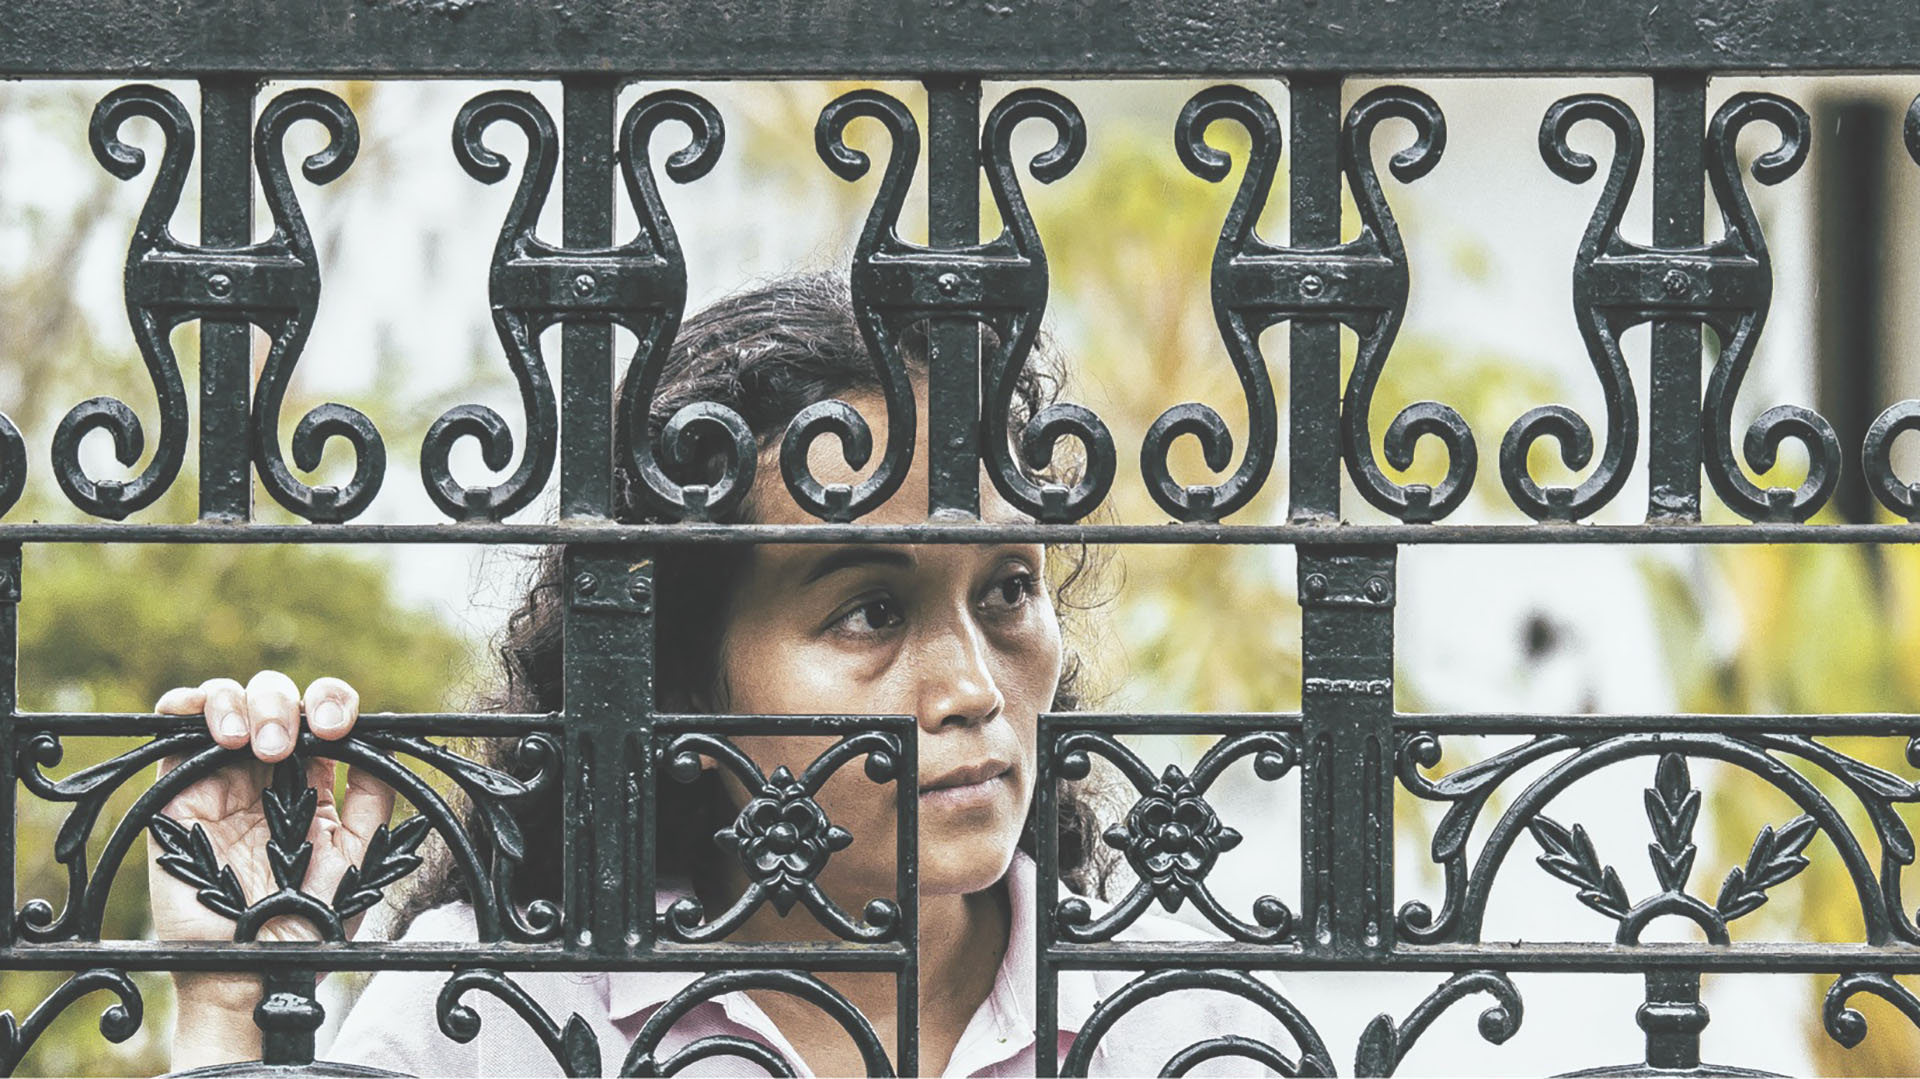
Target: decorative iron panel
{"x": 1352, "y": 755}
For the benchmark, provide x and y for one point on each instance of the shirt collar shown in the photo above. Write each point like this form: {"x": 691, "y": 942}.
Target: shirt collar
{"x": 630, "y": 992}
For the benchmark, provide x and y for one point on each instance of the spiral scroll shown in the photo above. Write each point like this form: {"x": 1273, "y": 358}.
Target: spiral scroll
{"x": 655, "y": 250}
{"x": 118, "y": 1022}
{"x": 1876, "y": 452}
{"x": 1739, "y": 336}
{"x": 1411, "y": 502}
{"x": 1019, "y": 247}
{"x": 115, "y": 499}
{"x": 879, "y": 239}
{"x": 517, "y": 331}
{"x": 330, "y": 420}
{"x": 1601, "y": 323}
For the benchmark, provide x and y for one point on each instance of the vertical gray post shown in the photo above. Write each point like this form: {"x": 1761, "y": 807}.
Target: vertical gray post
{"x": 586, "y": 349}
{"x": 226, "y": 345}
{"x": 953, "y": 220}
{"x": 608, "y": 654}
{"x": 1313, "y": 400}
{"x": 1346, "y": 799}
{"x": 1674, "y": 440}
{"x": 9, "y": 717}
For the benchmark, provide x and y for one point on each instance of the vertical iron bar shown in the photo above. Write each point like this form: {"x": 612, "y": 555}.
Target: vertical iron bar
{"x": 1313, "y": 406}
{"x": 226, "y": 345}
{"x": 1046, "y": 815}
{"x": 1673, "y": 419}
{"x": 1346, "y": 736}
{"x": 287, "y": 1016}
{"x": 9, "y": 713}
{"x": 608, "y": 697}
{"x": 953, "y": 220}
{"x": 907, "y": 886}
{"x": 1852, "y": 204}
{"x": 586, "y": 348}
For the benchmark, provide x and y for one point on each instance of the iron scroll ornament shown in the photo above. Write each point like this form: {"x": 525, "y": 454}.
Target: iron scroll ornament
{"x": 1172, "y": 836}
{"x": 274, "y": 284}
{"x": 118, "y": 1022}
{"x": 1569, "y": 855}
{"x": 1001, "y": 284}
{"x": 486, "y": 857}
{"x": 1362, "y": 283}
{"x": 1876, "y": 451}
{"x": 782, "y": 838}
{"x": 576, "y": 1049}
{"x": 640, "y": 285}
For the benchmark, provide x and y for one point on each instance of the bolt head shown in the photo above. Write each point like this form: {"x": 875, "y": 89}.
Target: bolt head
{"x": 219, "y": 285}
{"x": 584, "y": 284}
{"x": 1376, "y": 589}
{"x": 783, "y": 838}
{"x": 949, "y": 284}
{"x": 1315, "y": 585}
{"x": 1312, "y": 285}
{"x": 1676, "y": 283}
{"x": 586, "y": 584}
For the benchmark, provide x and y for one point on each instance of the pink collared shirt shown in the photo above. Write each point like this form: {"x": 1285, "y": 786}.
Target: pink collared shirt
{"x": 394, "y": 1025}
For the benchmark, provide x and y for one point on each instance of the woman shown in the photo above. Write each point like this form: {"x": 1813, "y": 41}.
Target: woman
{"x": 966, "y": 639}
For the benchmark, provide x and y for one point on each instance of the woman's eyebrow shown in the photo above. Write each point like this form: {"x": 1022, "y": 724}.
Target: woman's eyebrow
{"x": 851, "y": 557}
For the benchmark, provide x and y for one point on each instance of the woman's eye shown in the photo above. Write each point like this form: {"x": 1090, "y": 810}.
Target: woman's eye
{"x": 872, "y": 616}
{"x": 1015, "y": 590}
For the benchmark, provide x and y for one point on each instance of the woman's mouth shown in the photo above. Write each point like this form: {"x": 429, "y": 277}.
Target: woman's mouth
{"x": 972, "y": 787}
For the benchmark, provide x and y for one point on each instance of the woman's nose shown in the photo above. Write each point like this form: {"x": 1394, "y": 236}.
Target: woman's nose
{"x": 957, "y": 687}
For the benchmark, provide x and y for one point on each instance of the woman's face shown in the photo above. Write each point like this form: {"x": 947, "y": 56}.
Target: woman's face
{"x": 962, "y": 638}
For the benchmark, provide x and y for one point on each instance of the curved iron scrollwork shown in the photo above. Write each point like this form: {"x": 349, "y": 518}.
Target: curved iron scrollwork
{"x": 1362, "y": 283}
{"x": 488, "y": 860}
{"x": 1739, "y": 265}
{"x": 525, "y": 284}
{"x": 1605, "y": 303}
{"x": 1314, "y": 1058}
{"x": 782, "y": 838}
{"x": 1172, "y": 836}
{"x": 1845, "y": 1024}
{"x": 1001, "y": 284}
{"x": 1383, "y": 1045}
{"x": 117, "y": 1023}
{"x": 643, "y": 286}
{"x": 1876, "y": 452}
{"x": 1672, "y": 806}
{"x": 574, "y": 1047}
{"x": 274, "y": 284}
{"x": 643, "y": 1058}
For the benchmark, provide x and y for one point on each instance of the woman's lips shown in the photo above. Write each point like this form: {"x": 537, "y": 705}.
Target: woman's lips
{"x": 968, "y": 788}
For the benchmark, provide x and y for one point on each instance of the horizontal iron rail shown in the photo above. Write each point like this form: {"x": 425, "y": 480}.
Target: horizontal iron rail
{"x": 432, "y": 955}
{"x": 1838, "y": 725}
{"x": 1569, "y": 958}
{"x": 659, "y": 39}
{"x": 458, "y": 724}
{"x": 1324, "y": 535}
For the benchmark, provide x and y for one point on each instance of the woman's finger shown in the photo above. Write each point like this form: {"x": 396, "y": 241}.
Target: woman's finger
{"x": 332, "y": 707}
{"x": 225, "y": 703}
{"x": 367, "y": 805}
{"x": 179, "y": 701}
{"x": 273, "y": 709}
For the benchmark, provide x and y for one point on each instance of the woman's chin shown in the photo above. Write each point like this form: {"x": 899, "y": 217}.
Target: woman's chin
{"x": 962, "y": 867}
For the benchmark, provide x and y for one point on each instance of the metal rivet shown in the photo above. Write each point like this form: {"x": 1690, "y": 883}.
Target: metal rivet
{"x": 1315, "y": 585}
{"x": 1312, "y": 285}
{"x": 1376, "y": 589}
{"x": 1677, "y": 283}
{"x": 219, "y": 284}
{"x": 642, "y": 592}
{"x": 586, "y": 584}
{"x": 584, "y": 284}
{"x": 949, "y": 284}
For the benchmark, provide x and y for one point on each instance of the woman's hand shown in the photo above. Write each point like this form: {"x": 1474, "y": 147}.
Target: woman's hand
{"x": 264, "y": 717}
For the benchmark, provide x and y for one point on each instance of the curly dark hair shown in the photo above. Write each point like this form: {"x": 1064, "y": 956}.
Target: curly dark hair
{"x": 767, "y": 353}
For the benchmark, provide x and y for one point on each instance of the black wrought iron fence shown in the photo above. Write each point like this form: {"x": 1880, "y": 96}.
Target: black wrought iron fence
{"x": 1351, "y": 753}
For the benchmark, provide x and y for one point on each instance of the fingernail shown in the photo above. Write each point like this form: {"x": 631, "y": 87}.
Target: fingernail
{"x": 327, "y": 717}
{"x": 233, "y": 725}
{"x": 271, "y": 741}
